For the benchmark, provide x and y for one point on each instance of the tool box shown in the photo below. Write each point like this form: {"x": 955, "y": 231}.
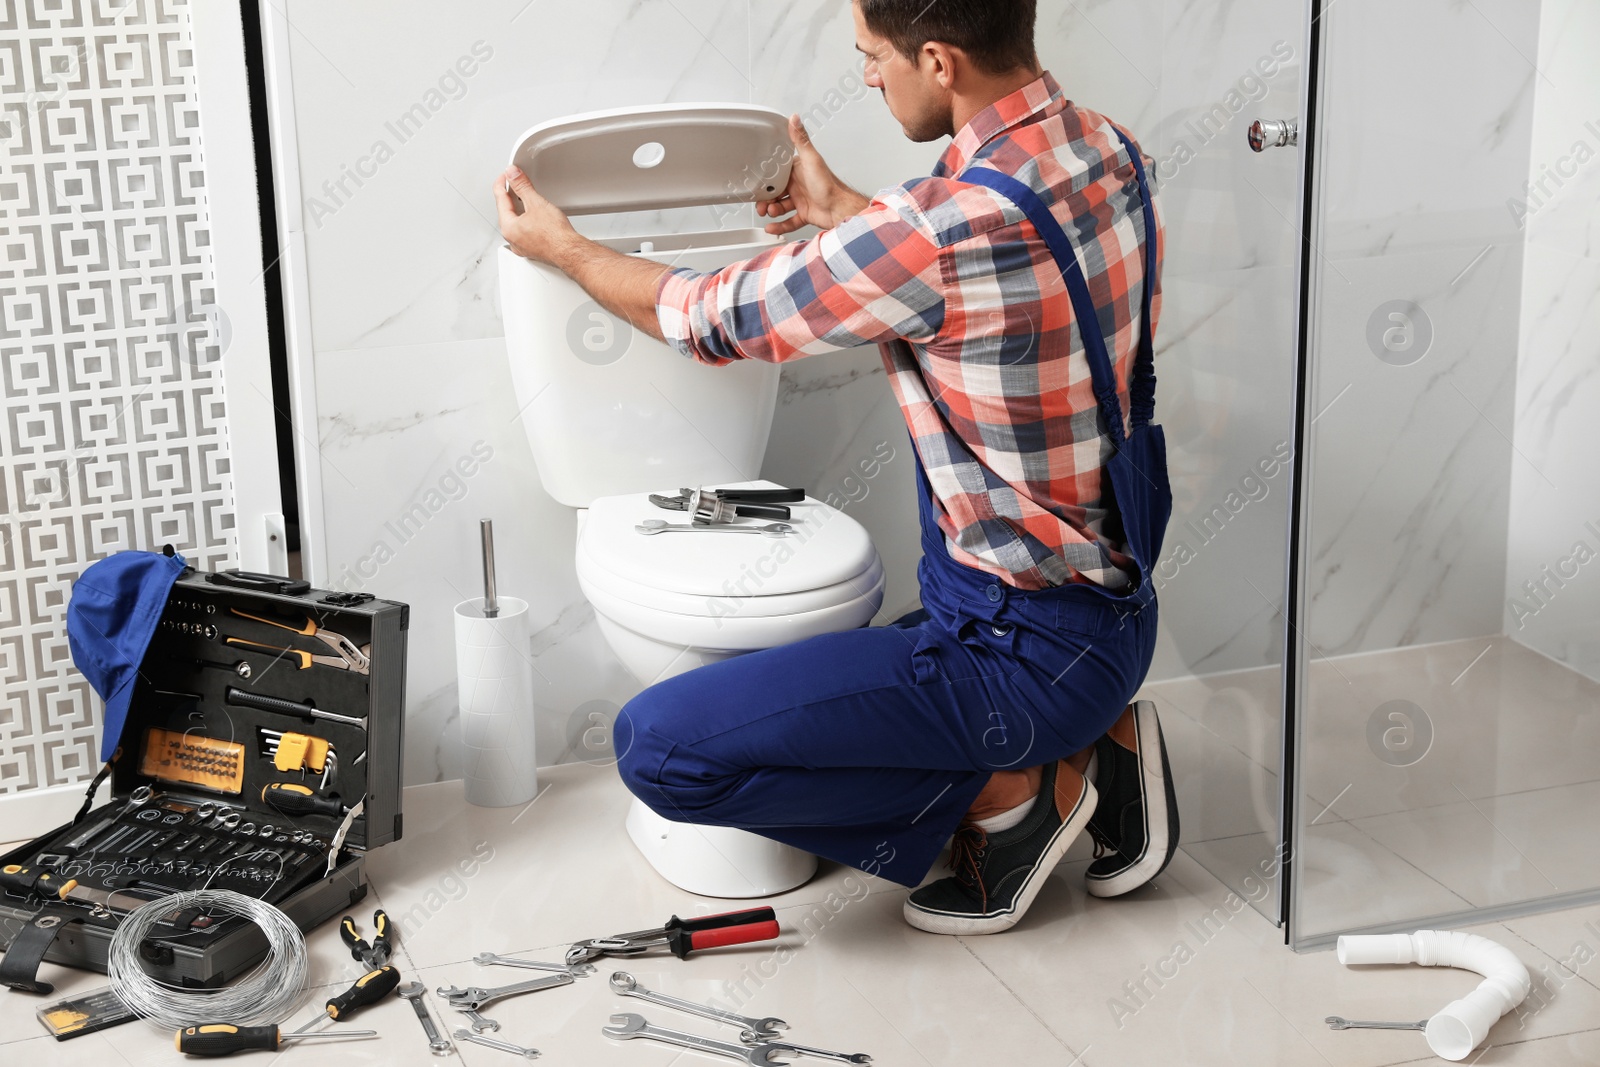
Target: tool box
{"x": 261, "y": 754}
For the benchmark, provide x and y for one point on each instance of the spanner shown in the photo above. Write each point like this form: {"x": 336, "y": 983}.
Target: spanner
{"x": 626, "y": 1026}
{"x": 652, "y": 527}
{"x": 627, "y": 985}
{"x": 503, "y": 1046}
{"x": 476, "y": 998}
{"x": 489, "y": 959}
{"x": 479, "y": 1023}
{"x": 1338, "y": 1022}
{"x": 806, "y": 1050}
{"x": 413, "y": 992}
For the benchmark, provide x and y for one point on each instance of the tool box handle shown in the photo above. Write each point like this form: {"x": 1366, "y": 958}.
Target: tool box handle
{"x": 267, "y": 583}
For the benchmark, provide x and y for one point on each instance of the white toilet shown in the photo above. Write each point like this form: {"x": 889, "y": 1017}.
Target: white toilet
{"x": 613, "y": 416}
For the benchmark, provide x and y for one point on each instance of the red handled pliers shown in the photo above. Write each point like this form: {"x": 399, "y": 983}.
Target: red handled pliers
{"x": 683, "y": 936}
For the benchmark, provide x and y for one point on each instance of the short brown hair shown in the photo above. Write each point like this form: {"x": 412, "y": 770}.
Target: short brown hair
{"x": 996, "y": 34}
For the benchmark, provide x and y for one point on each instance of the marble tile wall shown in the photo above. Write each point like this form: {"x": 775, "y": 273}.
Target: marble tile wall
{"x": 410, "y": 370}
{"x": 1552, "y": 594}
{"x": 1428, "y": 120}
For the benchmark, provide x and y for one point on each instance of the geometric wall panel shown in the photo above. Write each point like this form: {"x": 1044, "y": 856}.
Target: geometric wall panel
{"x": 112, "y": 418}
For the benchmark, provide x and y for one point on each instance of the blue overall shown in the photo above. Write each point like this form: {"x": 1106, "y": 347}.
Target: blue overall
{"x": 867, "y": 747}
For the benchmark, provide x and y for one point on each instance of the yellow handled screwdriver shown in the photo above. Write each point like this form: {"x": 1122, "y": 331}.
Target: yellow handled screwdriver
{"x": 291, "y": 798}
{"x": 368, "y": 989}
{"x": 224, "y": 1039}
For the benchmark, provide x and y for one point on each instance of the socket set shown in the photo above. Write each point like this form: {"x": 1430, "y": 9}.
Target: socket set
{"x": 261, "y": 754}
{"x": 175, "y": 844}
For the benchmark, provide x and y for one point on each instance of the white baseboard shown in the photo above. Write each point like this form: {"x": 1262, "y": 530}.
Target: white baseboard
{"x": 26, "y": 815}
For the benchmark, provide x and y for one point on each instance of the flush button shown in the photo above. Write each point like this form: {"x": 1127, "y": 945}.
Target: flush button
{"x": 994, "y": 593}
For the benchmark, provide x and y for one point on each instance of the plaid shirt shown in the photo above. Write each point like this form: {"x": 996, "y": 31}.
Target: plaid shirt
{"x": 976, "y": 329}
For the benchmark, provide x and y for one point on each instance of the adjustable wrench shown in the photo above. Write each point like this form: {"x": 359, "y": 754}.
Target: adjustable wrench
{"x": 626, "y": 1026}
{"x": 625, "y": 984}
{"x": 476, "y": 998}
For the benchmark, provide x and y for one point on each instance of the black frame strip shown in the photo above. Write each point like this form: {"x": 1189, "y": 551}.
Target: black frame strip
{"x": 1294, "y": 640}
{"x": 272, "y": 276}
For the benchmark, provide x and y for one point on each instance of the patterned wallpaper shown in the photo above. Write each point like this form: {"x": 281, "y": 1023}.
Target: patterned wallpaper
{"x": 112, "y": 433}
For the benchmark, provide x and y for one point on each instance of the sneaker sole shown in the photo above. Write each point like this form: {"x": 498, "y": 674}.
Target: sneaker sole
{"x": 943, "y": 922}
{"x": 1161, "y": 841}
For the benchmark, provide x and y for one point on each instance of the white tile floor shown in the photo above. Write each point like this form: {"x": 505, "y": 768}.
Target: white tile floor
{"x": 1175, "y": 973}
{"x": 1500, "y": 809}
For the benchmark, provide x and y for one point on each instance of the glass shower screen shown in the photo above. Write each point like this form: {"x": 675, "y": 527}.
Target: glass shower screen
{"x": 1446, "y": 719}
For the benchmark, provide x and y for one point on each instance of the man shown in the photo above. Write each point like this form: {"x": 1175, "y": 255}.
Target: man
{"x": 999, "y": 711}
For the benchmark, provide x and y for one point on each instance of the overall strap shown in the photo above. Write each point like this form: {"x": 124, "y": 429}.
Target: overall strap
{"x": 1143, "y": 380}
{"x": 1142, "y": 387}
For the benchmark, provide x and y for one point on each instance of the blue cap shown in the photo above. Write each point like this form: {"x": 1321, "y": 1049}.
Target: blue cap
{"x": 112, "y": 614}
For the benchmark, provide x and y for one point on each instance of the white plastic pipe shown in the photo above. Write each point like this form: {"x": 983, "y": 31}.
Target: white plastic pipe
{"x": 1460, "y": 1026}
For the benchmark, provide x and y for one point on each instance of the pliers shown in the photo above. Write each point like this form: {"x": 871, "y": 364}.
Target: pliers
{"x": 374, "y": 954}
{"x": 683, "y": 936}
{"x": 350, "y": 657}
{"x": 708, "y": 506}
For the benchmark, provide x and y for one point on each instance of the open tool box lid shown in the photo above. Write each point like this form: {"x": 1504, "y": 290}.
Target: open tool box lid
{"x": 237, "y": 663}
{"x": 225, "y": 665}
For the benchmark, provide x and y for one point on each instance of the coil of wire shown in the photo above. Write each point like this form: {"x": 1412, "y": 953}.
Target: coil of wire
{"x": 269, "y": 993}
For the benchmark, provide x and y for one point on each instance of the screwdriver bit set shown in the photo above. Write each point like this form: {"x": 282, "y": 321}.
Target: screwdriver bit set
{"x": 261, "y": 754}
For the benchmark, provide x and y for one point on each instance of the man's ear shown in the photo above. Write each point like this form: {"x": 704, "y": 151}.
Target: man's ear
{"x": 944, "y": 63}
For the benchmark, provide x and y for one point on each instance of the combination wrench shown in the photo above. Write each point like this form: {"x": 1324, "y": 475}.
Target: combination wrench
{"x": 479, "y": 1023}
{"x": 475, "y": 998}
{"x": 413, "y": 991}
{"x": 503, "y": 1046}
{"x": 627, "y": 985}
{"x": 577, "y": 970}
{"x": 1338, "y": 1022}
{"x": 625, "y": 1026}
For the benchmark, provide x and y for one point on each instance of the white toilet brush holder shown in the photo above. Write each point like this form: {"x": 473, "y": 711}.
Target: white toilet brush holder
{"x": 494, "y": 684}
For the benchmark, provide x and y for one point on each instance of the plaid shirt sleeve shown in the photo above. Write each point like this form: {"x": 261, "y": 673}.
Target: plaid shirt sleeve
{"x": 873, "y": 278}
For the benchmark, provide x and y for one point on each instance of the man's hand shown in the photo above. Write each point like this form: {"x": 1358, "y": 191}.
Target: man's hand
{"x": 534, "y": 227}
{"x": 623, "y": 285}
{"x": 815, "y": 196}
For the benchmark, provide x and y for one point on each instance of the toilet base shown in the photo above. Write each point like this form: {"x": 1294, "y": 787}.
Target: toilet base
{"x": 717, "y": 861}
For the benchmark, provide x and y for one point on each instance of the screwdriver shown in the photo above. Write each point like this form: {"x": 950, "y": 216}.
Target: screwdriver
{"x": 29, "y": 880}
{"x": 44, "y": 882}
{"x": 368, "y": 989}
{"x": 290, "y": 798}
{"x": 224, "y": 1039}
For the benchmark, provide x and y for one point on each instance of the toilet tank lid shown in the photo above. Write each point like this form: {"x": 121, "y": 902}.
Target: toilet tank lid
{"x": 658, "y": 157}
{"x": 829, "y": 548}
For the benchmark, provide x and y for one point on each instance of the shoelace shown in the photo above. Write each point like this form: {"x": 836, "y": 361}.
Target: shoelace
{"x": 1102, "y": 844}
{"x": 967, "y": 852}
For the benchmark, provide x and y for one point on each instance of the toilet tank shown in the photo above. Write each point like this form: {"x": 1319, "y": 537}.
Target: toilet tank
{"x": 608, "y": 410}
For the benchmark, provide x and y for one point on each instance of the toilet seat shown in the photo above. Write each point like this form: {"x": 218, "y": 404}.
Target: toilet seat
{"x": 735, "y": 592}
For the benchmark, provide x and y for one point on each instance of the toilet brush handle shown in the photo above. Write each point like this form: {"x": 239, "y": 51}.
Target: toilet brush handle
{"x": 491, "y": 605}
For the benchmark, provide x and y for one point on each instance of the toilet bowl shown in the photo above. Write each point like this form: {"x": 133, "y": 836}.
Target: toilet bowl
{"x": 674, "y": 601}
{"x": 669, "y": 603}
{"x": 612, "y": 415}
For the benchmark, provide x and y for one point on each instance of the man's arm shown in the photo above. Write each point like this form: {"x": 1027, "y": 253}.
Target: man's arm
{"x": 623, "y": 285}
{"x": 626, "y": 285}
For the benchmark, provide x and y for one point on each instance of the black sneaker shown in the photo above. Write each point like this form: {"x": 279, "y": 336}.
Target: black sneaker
{"x": 998, "y": 875}
{"x": 1134, "y": 839}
